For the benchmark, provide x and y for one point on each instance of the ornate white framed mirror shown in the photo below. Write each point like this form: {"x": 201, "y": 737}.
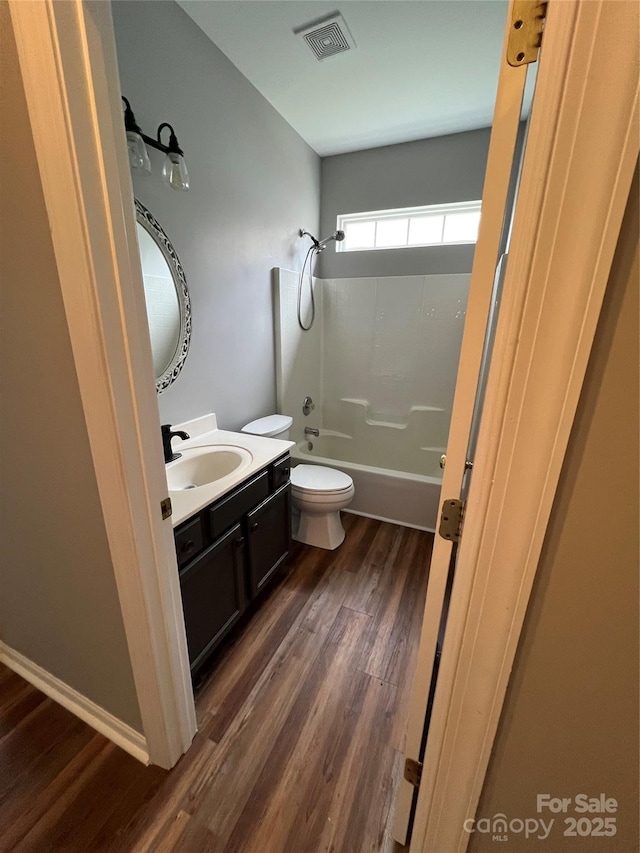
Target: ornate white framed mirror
{"x": 167, "y": 299}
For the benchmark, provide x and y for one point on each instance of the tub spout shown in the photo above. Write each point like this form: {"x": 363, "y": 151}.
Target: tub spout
{"x": 311, "y": 431}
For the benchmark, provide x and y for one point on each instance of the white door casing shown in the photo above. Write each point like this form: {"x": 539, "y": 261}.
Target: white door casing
{"x": 69, "y": 70}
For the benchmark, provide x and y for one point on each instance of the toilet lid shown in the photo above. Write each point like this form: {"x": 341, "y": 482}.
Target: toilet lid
{"x": 317, "y": 478}
{"x": 271, "y": 425}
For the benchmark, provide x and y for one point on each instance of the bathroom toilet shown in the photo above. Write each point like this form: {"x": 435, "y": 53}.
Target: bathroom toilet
{"x": 318, "y": 493}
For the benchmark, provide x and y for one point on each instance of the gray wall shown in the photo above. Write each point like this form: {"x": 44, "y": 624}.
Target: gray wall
{"x": 254, "y": 183}
{"x": 59, "y": 604}
{"x": 570, "y": 719}
{"x": 429, "y": 171}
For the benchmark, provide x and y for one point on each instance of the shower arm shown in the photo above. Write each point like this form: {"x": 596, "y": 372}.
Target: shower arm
{"x": 319, "y": 245}
{"x": 304, "y": 233}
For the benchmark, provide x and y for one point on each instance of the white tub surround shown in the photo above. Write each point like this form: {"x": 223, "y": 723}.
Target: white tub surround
{"x": 380, "y": 364}
{"x": 396, "y": 496}
{"x": 204, "y": 433}
{"x": 413, "y": 444}
{"x": 298, "y": 353}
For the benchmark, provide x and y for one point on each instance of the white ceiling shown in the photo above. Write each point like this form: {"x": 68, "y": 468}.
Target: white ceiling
{"x": 420, "y": 67}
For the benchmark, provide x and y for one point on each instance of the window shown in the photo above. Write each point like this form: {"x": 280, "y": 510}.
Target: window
{"x": 431, "y": 225}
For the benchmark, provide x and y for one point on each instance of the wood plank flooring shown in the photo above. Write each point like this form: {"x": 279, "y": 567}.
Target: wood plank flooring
{"x": 301, "y": 722}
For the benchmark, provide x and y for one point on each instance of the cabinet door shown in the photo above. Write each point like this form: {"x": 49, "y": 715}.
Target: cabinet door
{"x": 268, "y": 537}
{"x": 213, "y": 594}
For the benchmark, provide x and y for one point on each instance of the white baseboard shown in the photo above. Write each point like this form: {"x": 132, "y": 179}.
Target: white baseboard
{"x": 102, "y": 721}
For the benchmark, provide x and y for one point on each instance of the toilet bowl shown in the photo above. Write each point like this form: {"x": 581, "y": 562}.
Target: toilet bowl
{"x": 318, "y": 494}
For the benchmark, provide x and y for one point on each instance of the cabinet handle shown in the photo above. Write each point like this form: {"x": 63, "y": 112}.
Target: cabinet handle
{"x": 254, "y": 526}
{"x": 286, "y": 472}
{"x": 187, "y": 547}
{"x": 239, "y": 543}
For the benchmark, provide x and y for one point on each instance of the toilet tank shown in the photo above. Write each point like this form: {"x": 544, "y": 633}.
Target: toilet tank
{"x": 273, "y": 426}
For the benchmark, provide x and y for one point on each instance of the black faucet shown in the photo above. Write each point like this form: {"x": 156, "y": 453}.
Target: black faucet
{"x": 167, "y": 435}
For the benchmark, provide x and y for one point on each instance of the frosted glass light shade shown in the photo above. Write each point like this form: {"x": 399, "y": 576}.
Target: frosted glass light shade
{"x": 138, "y": 156}
{"x": 174, "y": 171}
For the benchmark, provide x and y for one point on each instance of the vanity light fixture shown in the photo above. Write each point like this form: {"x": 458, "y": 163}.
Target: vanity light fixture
{"x": 174, "y": 169}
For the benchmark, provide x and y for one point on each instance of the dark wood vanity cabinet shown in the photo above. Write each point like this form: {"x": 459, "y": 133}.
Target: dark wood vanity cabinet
{"x": 227, "y": 554}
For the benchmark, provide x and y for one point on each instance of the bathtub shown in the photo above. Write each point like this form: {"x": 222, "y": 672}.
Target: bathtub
{"x": 400, "y": 497}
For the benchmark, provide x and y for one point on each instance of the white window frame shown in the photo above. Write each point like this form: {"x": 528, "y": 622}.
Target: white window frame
{"x": 407, "y": 213}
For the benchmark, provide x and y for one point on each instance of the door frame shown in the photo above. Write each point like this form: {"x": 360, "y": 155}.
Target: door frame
{"x": 69, "y": 71}
{"x": 578, "y": 166}
{"x": 579, "y": 148}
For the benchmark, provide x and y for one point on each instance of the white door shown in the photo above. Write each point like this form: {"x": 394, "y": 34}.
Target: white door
{"x": 488, "y": 266}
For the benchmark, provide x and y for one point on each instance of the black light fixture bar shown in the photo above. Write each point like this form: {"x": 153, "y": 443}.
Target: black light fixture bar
{"x": 130, "y": 123}
{"x": 175, "y": 170}
{"x": 158, "y": 145}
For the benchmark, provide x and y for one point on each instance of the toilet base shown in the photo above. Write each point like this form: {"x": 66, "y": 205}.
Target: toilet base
{"x": 323, "y": 530}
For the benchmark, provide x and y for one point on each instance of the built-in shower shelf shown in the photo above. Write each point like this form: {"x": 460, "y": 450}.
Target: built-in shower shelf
{"x": 434, "y": 449}
{"x": 336, "y": 434}
{"x": 388, "y": 419}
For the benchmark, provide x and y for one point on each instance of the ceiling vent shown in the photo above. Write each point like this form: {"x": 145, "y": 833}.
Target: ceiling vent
{"x": 327, "y": 36}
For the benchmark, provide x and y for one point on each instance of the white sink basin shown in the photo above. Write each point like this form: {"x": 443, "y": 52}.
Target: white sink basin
{"x": 201, "y": 466}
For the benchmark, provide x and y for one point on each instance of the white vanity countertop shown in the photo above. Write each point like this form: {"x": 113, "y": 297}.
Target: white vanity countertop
{"x": 205, "y": 433}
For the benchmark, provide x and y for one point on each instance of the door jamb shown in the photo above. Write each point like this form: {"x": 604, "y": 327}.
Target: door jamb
{"x": 577, "y": 171}
{"x": 69, "y": 70}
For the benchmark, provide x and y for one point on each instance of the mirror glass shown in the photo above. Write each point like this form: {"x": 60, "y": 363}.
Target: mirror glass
{"x": 167, "y": 299}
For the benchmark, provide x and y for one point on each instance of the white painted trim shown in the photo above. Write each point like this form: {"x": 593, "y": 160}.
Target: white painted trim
{"x": 102, "y": 721}
{"x": 69, "y": 70}
{"x": 375, "y": 216}
{"x": 579, "y": 162}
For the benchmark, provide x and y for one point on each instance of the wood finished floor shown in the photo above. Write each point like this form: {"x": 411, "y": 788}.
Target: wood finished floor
{"x": 299, "y": 748}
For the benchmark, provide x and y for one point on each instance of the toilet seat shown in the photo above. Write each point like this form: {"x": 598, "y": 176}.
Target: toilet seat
{"x": 319, "y": 480}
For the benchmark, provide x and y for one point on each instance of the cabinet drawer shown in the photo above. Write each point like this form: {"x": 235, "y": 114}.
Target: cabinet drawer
{"x": 189, "y": 541}
{"x": 230, "y": 509}
{"x": 280, "y": 471}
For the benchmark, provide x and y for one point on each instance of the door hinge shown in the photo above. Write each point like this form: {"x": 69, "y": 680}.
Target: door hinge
{"x": 525, "y": 33}
{"x": 413, "y": 772}
{"x": 451, "y": 519}
{"x": 166, "y": 508}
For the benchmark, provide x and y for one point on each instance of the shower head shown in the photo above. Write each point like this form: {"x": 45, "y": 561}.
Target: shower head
{"x": 338, "y": 236}
{"x": 319, "y": 245}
